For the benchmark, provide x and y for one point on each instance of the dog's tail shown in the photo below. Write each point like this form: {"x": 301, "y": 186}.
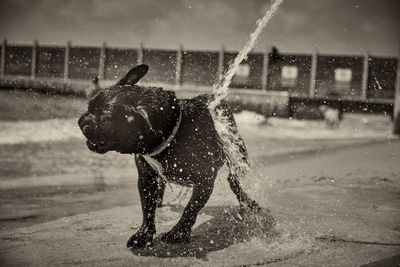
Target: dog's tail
{"x": 235, "y": 152}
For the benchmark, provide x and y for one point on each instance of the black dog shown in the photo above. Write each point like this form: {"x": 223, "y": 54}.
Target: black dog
{"x": 172, "y": 140}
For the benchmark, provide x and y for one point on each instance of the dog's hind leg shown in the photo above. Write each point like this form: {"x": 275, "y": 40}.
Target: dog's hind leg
{"x": 182, "y": 230}
{"x": 238, "y": 164}
{"x": 243, "y": 198}
{"x": 250, "y": 210}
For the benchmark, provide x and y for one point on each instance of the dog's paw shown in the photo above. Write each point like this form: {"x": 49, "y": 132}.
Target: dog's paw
{"x": 177, "y": 235}
{"x": 139, "y": 240}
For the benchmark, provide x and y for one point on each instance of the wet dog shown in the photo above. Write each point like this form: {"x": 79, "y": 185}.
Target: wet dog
{"x": 173, "y": 140}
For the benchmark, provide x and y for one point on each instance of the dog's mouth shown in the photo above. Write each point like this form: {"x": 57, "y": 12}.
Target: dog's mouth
{"x": 100, "y": 146}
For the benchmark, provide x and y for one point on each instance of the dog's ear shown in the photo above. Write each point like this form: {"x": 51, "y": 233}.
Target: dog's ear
{"x": 134, "y": 75}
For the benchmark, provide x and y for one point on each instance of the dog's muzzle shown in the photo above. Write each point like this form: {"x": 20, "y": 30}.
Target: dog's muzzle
{"x": 94, "y": 141}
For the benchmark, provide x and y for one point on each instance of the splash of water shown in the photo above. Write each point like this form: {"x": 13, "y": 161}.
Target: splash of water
{"x": 232, "y": 142}
{"x": 220, "y": 90}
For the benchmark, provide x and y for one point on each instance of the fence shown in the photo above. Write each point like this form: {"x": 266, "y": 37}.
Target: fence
{"x": 313, "y": 76}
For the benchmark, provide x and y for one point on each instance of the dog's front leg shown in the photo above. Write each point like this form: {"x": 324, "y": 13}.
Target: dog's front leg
{"x": 161, "y": 190}
{"x": 148, "y": 190}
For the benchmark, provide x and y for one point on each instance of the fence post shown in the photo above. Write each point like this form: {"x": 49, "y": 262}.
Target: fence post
{"x": 66, "y": 61}
{"x": 221, "y": 56}
{"x": 264, "y": 80}
{"x": 140, "y": 58}
{"x": 3, "y": 59}
{"x": 364, "y": 84}
{"x": 313, "y": 75}
{"x": 396, "y": 104}
{"x": 102, "y": 60}
{"x": 179, "y": 62}
{"x": 35, "y": 50}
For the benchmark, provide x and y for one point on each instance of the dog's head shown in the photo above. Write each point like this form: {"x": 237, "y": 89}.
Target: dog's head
{"x": 128, "y": 118}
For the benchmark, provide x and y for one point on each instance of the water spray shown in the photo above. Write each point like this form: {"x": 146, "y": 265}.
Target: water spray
{"x": 220, "y": 89}
{"x": 227, "y": 132}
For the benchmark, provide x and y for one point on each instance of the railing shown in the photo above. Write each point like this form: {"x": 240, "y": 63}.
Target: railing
{"x": 361, "y": 77}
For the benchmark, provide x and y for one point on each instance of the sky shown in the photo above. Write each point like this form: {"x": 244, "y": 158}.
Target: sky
{"x": 299, "y": 26}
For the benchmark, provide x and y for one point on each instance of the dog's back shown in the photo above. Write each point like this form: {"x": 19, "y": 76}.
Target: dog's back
{"x": 228, "y": 139}
{"x": 233, "y": 147}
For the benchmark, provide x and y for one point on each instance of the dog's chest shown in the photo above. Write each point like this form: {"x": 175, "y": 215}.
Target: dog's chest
{"x": 186, "y": 163}
{"x": 194, "y": 154}
{"x": 184, "y": 169}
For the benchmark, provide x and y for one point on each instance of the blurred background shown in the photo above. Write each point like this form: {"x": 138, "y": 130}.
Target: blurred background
{"x": 342, "y": 53}
{"x": 334, "y": 26}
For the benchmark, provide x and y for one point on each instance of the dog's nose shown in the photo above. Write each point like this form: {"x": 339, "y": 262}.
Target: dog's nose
{"x": 81, "y": 121}
{"x": 85, "y": 129}
{"x": 85, "y": 119}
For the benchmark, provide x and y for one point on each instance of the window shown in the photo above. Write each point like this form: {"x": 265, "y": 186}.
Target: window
{"x": 343, "y": 79}
{"x": 289, "y": 75}
{"x": 243, "y": 70}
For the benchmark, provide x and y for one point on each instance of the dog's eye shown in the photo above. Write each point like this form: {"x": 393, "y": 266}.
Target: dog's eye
{"x": 129, "y": 118}
{"x": 104, "y": 121}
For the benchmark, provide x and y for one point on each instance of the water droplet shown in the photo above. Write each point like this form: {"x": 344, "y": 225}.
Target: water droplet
{"x": 130, "y": 118}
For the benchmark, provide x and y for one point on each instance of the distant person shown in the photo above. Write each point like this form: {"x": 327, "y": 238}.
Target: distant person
{"x": 274, "y": 55}
{"x": 338, "y": 103}
{"x": 331, "y": 116}
{"x": 90, "y": 92}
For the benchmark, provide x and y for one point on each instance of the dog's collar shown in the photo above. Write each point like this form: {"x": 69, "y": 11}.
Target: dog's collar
{"x": 167, "y": 142}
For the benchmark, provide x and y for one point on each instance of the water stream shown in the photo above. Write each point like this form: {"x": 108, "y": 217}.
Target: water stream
{"x": 220, "y": 90}
{"x": 232, "y": 142}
